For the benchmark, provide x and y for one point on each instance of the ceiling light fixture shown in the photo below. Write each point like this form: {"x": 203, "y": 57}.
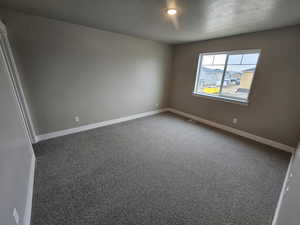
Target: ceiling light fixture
{"x": 172, "y": 12}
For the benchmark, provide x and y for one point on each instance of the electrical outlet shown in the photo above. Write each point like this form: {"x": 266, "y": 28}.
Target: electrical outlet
{"x": 76, "y": 118}
{"x": 16, "y": 216}
{"x": 235, "y": 120}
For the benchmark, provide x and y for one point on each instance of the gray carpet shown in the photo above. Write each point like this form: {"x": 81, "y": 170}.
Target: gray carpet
{"x": 158, "y": 170}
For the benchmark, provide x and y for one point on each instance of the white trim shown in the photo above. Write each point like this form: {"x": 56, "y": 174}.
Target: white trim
{"x": 245, "y": 134}
{"x": 13, "y": 77}
{"x": 283, "y": 190}
{"x": 28, "y": 207}
{"x": 17, "y": 86}
{"x": 20, "y": 92}
{"x": 3, "y": 28}
{"x": 220, "y": 96}
{"x": 96, "y": 125}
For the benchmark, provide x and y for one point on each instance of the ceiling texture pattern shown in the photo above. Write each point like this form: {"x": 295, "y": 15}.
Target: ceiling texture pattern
{"x": 197, "y": 19}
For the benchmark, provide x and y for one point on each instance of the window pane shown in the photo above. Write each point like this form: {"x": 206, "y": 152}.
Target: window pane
{"x": 234, "y": 59}
{"x": 220, "y": 59}
{"x": 210, "y": 78}
{"x": 237, "y": 78}
{"x": 237, "y": 81}
{"x": 250, "y": 58}
{"x": 207, "y": 59}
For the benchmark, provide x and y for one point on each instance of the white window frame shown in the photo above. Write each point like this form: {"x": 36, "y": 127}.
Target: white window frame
{"x": 220, "y": 96}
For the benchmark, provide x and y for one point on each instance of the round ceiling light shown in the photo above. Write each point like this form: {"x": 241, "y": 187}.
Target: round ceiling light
{"x": 172, "y": 12}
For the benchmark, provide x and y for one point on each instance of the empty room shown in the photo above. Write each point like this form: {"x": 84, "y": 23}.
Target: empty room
{"x": 157, "y": 112}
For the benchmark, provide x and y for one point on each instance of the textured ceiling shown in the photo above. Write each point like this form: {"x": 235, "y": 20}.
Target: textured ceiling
{"x": 198, "y": 19}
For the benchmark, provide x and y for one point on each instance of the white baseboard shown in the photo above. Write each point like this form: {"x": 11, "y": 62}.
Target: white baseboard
{"x": 27, "y": 213}
{"x": 283, "y": 189}
{"x": 96, "y": 125}
{"x": 245, "y": 134}
{"x": 35, "y": 139}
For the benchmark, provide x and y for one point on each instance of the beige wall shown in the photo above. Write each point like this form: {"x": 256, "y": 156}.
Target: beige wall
{"x": 69, "y": 70}
{"x": 274, "y": 107}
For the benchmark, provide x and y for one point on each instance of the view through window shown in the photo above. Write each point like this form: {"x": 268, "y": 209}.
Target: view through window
{"x": 226, "y": 75}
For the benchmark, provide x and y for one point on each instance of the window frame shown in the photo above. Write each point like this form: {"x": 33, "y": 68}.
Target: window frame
{"x": 221, "y": 97}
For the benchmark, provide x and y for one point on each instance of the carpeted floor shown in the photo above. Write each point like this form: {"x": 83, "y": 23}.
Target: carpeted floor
{"x": 158, "y": 170}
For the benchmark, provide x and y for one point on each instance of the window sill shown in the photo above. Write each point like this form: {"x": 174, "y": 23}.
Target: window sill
{"x": 223, "y": 99}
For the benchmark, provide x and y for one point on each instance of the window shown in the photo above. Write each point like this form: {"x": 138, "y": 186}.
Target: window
{"x": 226, "y": 75}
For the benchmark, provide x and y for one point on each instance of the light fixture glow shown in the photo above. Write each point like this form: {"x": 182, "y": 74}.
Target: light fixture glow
{"x": 171, "y": 12}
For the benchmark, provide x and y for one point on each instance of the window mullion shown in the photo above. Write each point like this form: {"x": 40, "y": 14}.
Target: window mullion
{"x": 224, "y": 72}
{"x": 241, "y": 62}
{"x": 198, "y": 73}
